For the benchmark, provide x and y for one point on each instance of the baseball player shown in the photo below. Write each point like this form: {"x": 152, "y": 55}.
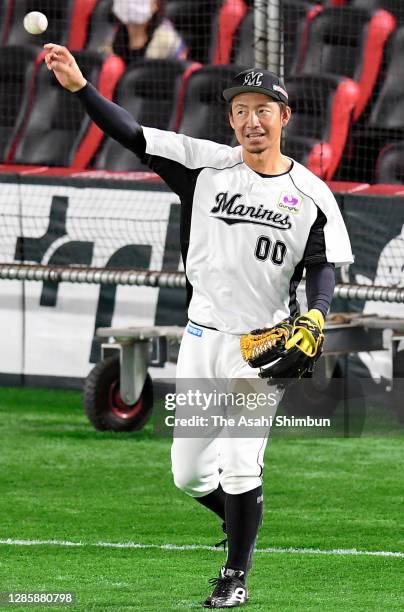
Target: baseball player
{"x": 252, "y": 221}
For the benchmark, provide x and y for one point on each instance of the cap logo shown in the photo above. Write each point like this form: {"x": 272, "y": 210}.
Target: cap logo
{"x": 281, "y": 90}
{"x": 253, "y": 78}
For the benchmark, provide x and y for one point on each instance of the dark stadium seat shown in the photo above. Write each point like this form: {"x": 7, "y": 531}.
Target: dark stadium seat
{"x": 386, "y": 120}
{"x": 5, "y": 15}
{"x": 388, "y": 110}
{"x": 59, "y": 16}
{"x": 195, "y": 22}
{"x": 229, "y": 18}
{"x": 390, "y": 164}
{"x": 205, "y": 113}
{"x": 57, "y": 124}
{"x": 149, "y": 91}
{"x": 102, "y": 27}
{"x": 348, "y": 41}
{"x": 17, "y": 70}
{"x": 296, "y": 16}
{"x": 321, "y": 112}
{"x": 243, "y": 42}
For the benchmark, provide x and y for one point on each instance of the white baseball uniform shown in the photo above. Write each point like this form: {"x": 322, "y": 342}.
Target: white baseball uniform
{"x": 245, "y": 240}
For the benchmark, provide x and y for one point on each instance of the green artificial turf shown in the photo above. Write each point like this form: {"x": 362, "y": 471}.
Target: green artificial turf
{"x": 61, "y": 480}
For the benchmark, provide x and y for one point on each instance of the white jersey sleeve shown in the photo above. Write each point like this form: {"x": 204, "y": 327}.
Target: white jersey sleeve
{"x": 190, "y": 152}
{"x": 337, "y": 244}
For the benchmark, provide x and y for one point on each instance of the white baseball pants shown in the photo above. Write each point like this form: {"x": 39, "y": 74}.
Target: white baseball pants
{"x": 199, "y": 464}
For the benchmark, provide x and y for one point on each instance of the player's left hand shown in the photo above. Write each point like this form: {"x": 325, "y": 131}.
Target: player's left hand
{"x": 307, "y": 333}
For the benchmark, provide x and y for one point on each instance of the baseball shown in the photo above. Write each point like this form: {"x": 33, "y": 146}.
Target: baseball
{"x": 35, "y": 22}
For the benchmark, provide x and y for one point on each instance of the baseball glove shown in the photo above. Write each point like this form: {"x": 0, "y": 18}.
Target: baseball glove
{"x": 287, "y": 350}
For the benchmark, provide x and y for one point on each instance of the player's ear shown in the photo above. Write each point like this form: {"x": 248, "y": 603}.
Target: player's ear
{"x": 285, "y": 114}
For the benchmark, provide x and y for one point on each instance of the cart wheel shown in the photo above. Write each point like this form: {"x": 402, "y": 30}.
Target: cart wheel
{"x": 316, "y": 397}
{"x": 103, "y": 404}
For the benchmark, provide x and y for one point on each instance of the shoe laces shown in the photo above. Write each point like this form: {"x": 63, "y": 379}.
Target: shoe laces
{"x": 223, "y": 586}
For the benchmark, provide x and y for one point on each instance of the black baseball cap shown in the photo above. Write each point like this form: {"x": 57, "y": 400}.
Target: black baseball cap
{"x": 257, "y": 80}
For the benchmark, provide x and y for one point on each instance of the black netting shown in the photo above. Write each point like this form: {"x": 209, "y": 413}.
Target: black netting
{"x": 341, "y": 60}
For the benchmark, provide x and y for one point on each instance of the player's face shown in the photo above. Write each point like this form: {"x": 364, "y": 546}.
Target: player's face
{"x": 257, "y": 121}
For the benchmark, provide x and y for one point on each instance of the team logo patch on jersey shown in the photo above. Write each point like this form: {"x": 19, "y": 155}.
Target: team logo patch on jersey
{"x": 290, "y": 202}
{"x": 195, "y": 331}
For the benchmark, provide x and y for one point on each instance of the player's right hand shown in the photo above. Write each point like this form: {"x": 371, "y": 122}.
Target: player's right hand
{"x": 64, "y": 66}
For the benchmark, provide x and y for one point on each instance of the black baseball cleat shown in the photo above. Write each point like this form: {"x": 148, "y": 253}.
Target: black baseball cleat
{"x": 229, "y": 591}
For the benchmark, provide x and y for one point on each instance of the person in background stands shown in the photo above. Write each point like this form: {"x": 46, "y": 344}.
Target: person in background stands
{"x": 144, "y": 32}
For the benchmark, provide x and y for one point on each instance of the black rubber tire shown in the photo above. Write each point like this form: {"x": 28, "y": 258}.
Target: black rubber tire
{"x": 103, "y": 404}
{"x": 315, "y": 397}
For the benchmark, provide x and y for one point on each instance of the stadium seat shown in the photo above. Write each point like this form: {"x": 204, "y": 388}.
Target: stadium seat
{"x": 102, "y": 27}
{"x": 296, "y": 16}
{"x": 57, "y": 124}
{"x": 385, "y": 123}
{"x": 5, "y": 15}
{"x": 388, "y": 110}
{"x": 243, "y": 42}
{"x": 348, "y": 41}
{"x": 395, "y": 7}
{"x": 229, "y": 18}
{"x": 17, "y": 70}
{"x": 205, "y": 112}
{"x": 82, "y": 15}
{"x": 390, "y": 164}
{"x": 316, "y": 156}
{"x": 195, "y": 21}
{"x": 59, "y": 18}
{"x": 149, "y": 91}
{"x": 321, "y": 112}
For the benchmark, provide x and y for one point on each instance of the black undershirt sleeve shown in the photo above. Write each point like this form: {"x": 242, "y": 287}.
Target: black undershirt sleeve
{"x": 320, "y": 284}
{"x": 114, "y": 120}
{"x": 320, "y": 274}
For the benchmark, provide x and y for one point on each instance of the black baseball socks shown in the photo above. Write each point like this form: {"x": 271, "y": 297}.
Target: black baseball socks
{"x": 243, "y": 519}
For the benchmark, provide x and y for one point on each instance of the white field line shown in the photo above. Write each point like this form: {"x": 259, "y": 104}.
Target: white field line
{"x": 176, "y": 547}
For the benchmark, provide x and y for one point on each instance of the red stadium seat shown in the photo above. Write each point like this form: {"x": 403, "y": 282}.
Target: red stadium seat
{"x": 390, "y": 164}
{"x": 82, "y": 12}
{"x": 149, "y": 91}
{"x": 102, "y": 27}
{"x": 395, "y": 7}
{"x": 321, "y": 112}
{"x": 59, "y": 18}
{"x": 18, "y": 66}
{"x": 205, "y": 113}
{"x": 57, "y": 124}
{"x": 348, "y": 41}
{"x": 230, "y": 16}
